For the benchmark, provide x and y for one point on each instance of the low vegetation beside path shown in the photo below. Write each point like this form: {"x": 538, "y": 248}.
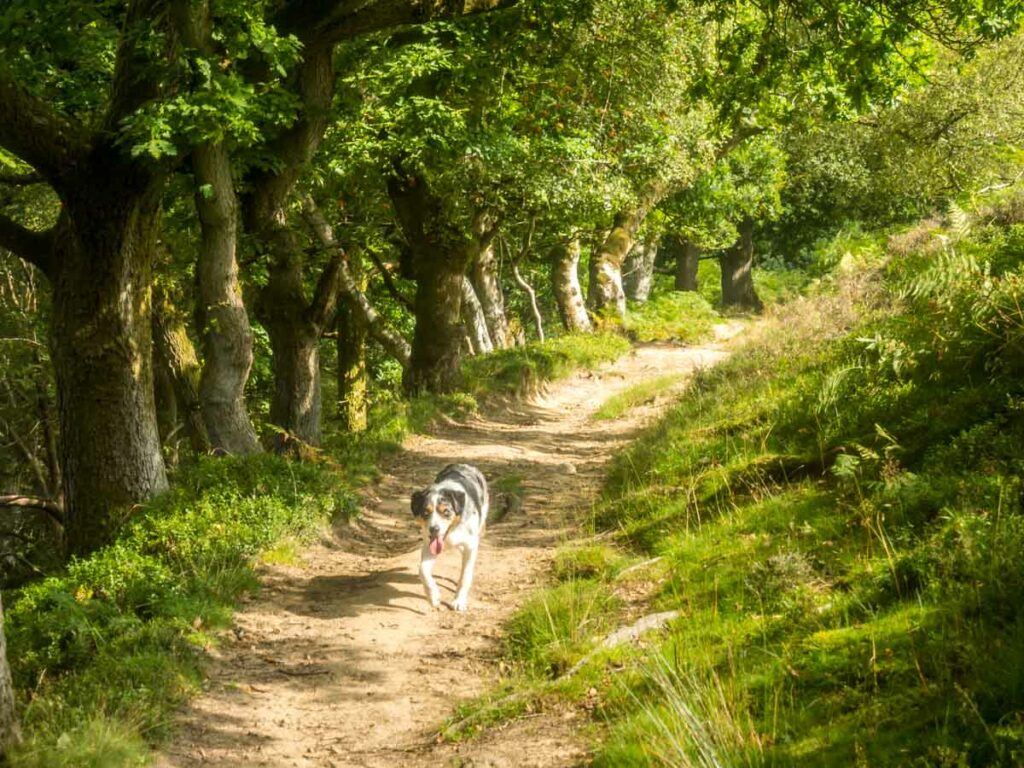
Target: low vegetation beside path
{"x": 835, "y": 514}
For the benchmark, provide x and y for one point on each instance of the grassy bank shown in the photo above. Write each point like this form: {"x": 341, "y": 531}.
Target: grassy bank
{"x": 836, "y": 515}
{"x": 103, "y": 653}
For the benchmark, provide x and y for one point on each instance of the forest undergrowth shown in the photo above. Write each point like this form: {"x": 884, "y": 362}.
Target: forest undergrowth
{"x": 834, "y": 516}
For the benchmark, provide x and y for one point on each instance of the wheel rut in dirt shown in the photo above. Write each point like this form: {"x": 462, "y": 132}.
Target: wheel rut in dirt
{"x": 341, "y": 661}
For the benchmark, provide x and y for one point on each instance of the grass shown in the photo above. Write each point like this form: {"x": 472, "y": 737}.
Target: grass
{"x": 103, "y": 653}
{"x": 636, "y": 395}
{"x": 839, "y": 514}
{"x": 686, "y": 317}
{"x": 522, "y": 371}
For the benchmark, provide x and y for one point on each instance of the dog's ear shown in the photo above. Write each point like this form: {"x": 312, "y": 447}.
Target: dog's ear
{"x": 419, "y": 503}
{"x": 458, "y": 500}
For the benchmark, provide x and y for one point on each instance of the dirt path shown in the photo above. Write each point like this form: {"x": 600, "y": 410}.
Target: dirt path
{"x": 341, "y": 662}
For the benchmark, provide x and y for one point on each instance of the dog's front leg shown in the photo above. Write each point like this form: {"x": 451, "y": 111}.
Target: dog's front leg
{"x": 427, "y": 576}
{"x": 461, "y": 601}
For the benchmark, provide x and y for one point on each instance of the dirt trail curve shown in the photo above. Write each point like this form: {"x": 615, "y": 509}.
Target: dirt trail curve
{"x": 341, "y": 662}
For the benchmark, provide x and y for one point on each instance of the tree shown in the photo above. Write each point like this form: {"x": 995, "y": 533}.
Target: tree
{"x": 102, "y": 113}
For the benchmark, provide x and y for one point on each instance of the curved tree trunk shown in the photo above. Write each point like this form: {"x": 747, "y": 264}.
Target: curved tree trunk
{"x": 638, "y": 270}
{"x": 606, "y": 293}
{"x": 10, "y": 733}
{"x": 738, "y": 290}
{"x": 487, "y": 284}
{"x": 565, "y": 283}
{"x": 353, "y": 380}
{"x": 687, "y": 263}
{"x": 223, "y": 321}
{"x": 475, "y": 321}
{"x": 175, "y": 349}
{"x": 102, "y": 354}
{"x": 538, "y": 319}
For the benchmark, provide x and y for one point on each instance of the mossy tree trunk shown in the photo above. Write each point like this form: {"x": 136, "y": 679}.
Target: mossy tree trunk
{"x": 738, "y": 290}
{"x": 176, "y": 352}
{"x": 565, "y": 284}
{"x": 606, "y": 293}
{"x": 353, "y": 380}
{"x": 638, "y": 270}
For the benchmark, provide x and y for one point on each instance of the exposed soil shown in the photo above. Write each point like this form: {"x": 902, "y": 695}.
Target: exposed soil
{"x": 341, "y": 661}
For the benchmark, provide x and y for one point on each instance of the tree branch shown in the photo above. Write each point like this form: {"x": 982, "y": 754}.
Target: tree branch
{"x": 389, "y": 282}
{"x": 51, "y": 508}
{"x": 34, "y": 247}
{"x": 331, "y": 21}
{"x": 36, "y": 133}
{"x": 393, "y": 343}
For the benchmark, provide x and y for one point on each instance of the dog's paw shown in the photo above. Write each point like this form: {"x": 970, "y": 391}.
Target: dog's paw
{"x": 460, "y": 604}
{"x": 435, "y": 600}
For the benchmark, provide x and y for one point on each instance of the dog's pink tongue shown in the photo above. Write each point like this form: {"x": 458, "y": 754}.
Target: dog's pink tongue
{"x": 436, "y": 545}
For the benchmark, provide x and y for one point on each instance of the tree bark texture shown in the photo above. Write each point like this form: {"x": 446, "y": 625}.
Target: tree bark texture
{"x": 227, "y": 339}
{"x": 10, "y": 733}
{"x": 440, "y": 259}
{"x": 687, "y": 263}
{"x": 174, "y": 348}
{"x": 605, "y": 292}
{"x": 486, "y": 278}
{"x": 353, "y": 380}
{"x": 565, "y": 284}
{"x": 638, "y": 270}
{"x": 102, "y": 352}
{"x": 475, "y": 320}
{"x": 738, "y": 290}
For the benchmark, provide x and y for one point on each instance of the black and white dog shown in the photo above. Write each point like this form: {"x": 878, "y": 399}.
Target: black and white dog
{"x": 453, "y": 512}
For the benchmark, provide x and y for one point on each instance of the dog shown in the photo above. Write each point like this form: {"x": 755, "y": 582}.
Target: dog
{"x": 453, "y": 512}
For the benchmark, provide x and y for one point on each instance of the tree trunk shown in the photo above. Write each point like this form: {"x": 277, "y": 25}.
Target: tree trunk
{"x": 227, "y": 339}
{"x": 687, "y": 262}
{"x": 352, "y": 376}
{"x": 175, "y": 349}
{"x": 737, "y": 279}
{"x": 434, "y": 366}
{"x": 10, "y": 733}
{"x": 565, "y": 283}
{"x": 166, "y": 399}
{"x": 606, "y": 293}
{"x": 531, "y": 295}
{"x": 102, "y": 349}
{"x": 638, "y": 271}
{"x": 440, "y": 259}
{"x": 487, "y": 284}
{"x": 293, "y": 324}
{"x": 475, "y": 321}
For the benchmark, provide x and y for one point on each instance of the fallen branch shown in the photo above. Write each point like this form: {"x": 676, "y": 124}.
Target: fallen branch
{"x": 49, "y": 507}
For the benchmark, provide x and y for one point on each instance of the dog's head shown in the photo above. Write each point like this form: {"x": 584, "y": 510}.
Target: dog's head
{"x": 438, "y": 509}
